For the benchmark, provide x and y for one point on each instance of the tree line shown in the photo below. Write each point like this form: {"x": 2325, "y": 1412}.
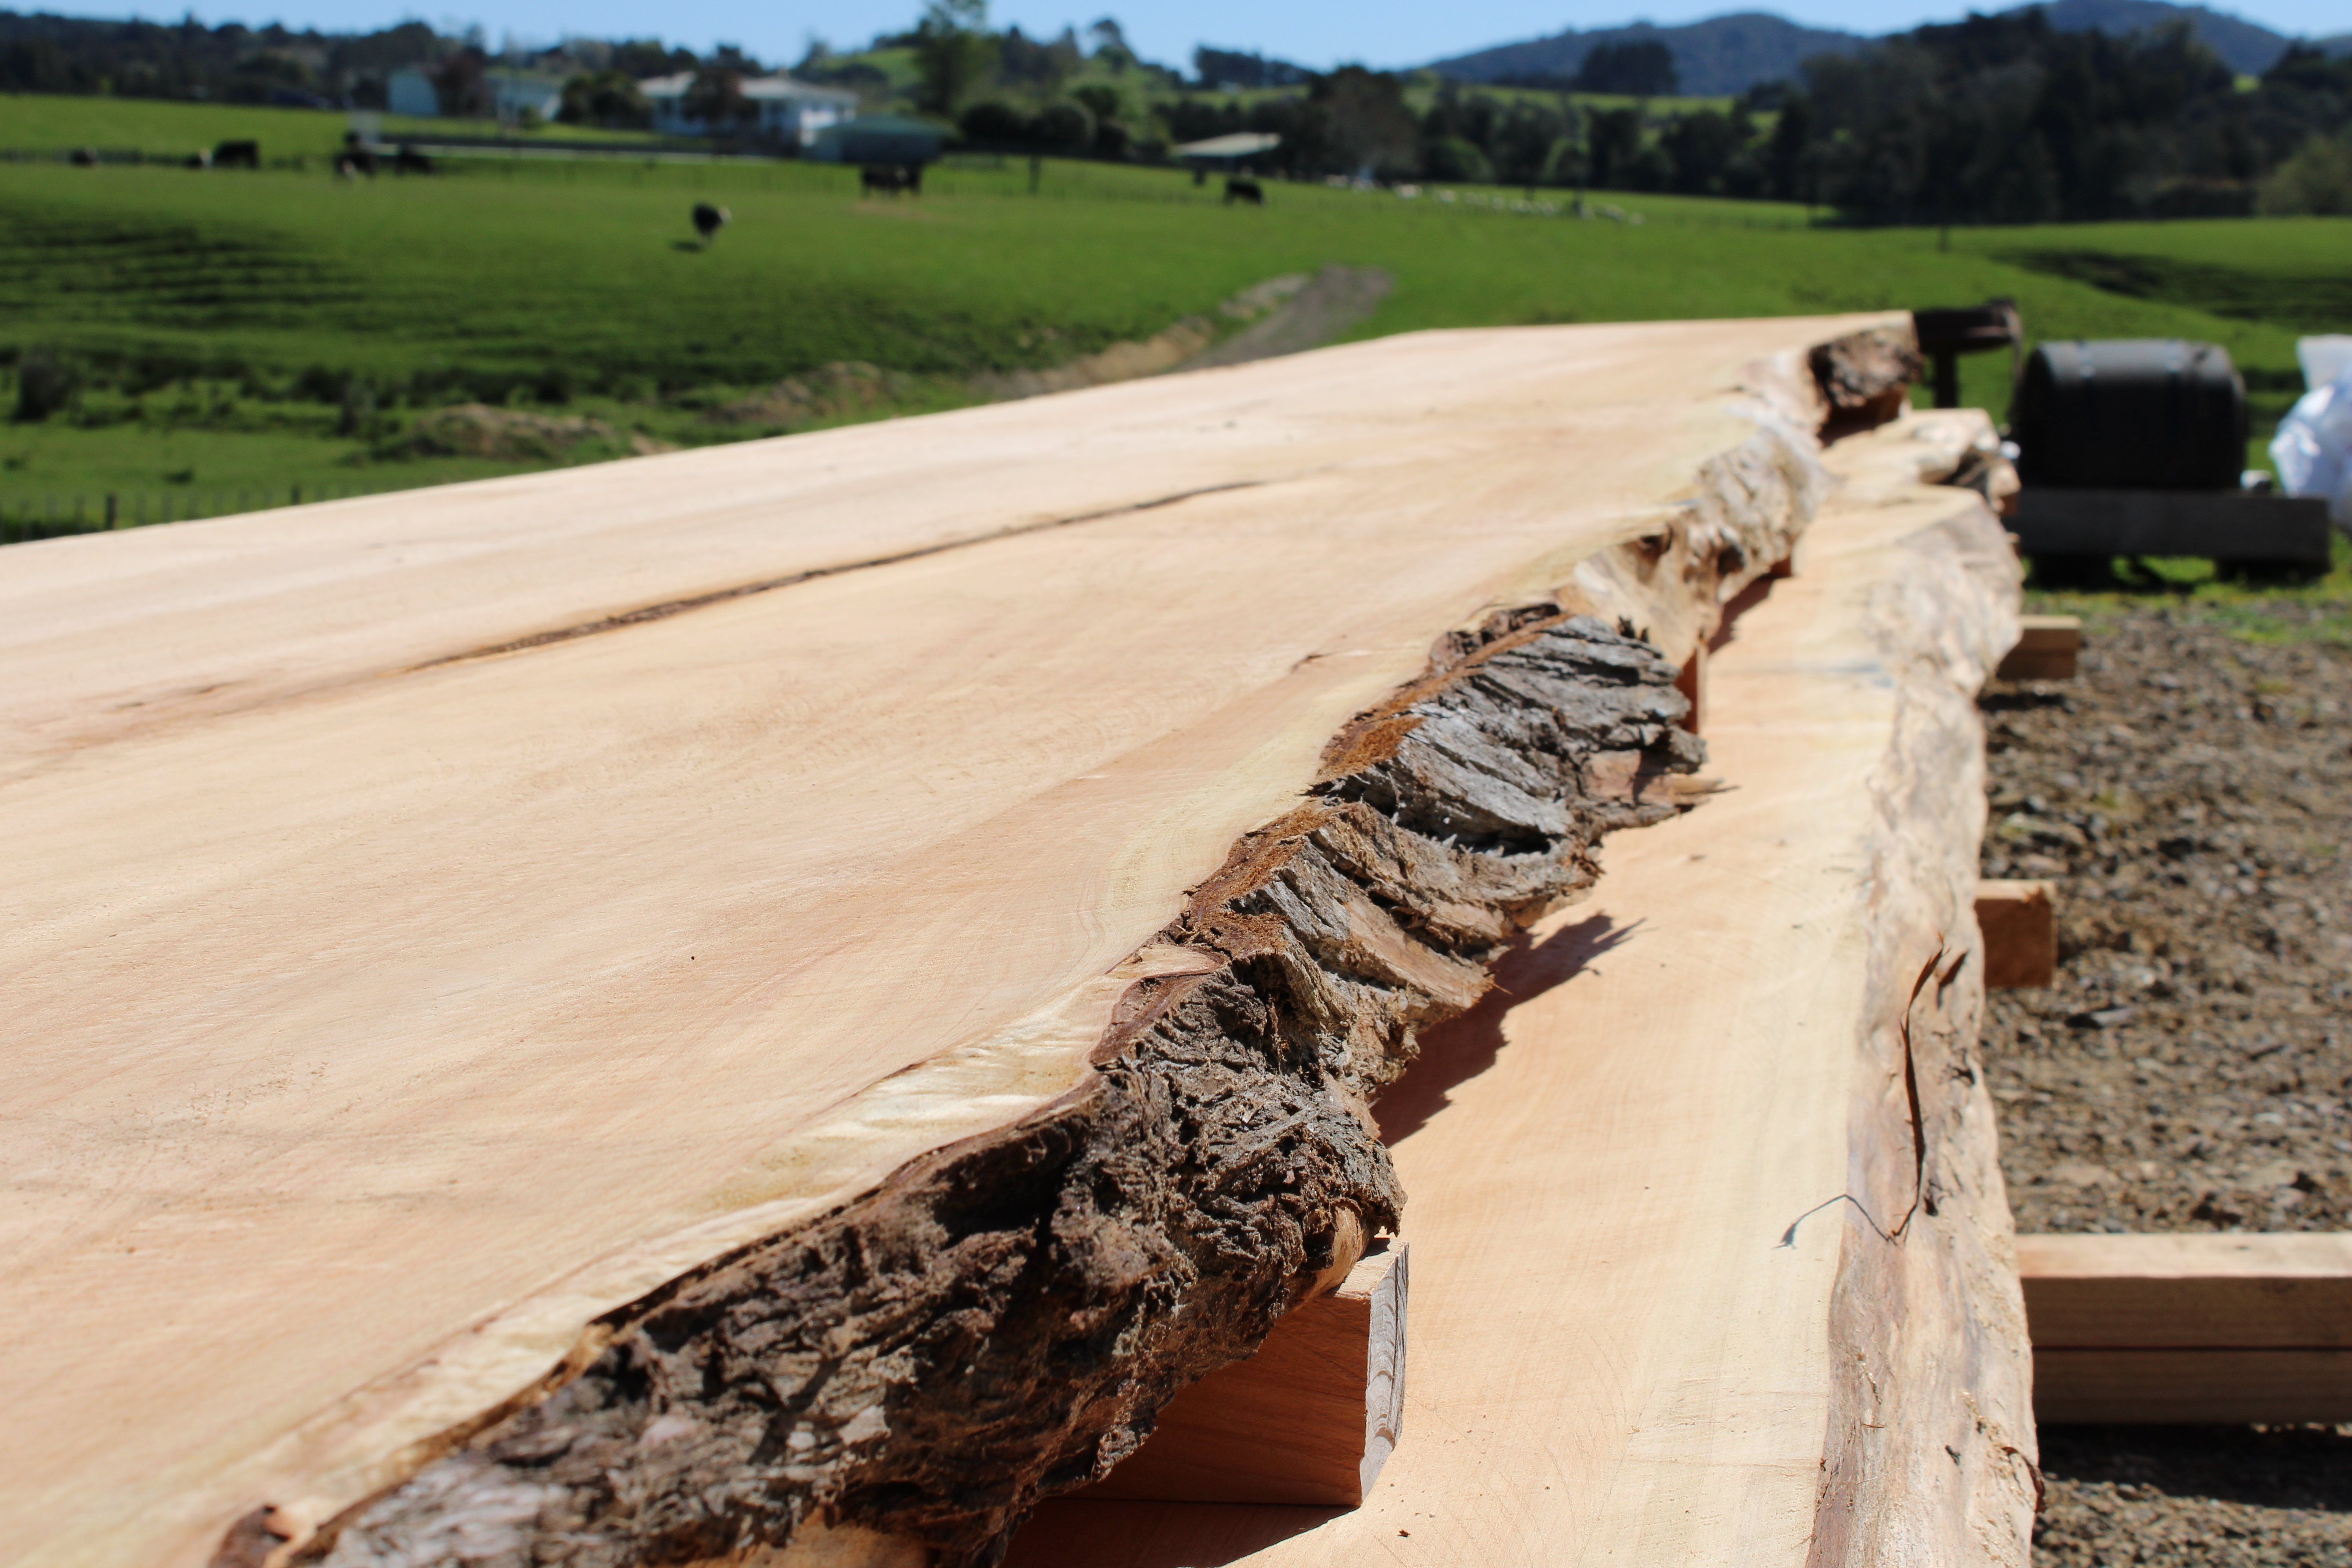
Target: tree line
{"x": 1998, "y": 118}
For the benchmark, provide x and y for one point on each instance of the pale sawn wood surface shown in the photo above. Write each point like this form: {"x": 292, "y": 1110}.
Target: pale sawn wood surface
{"x": 378, "y": 1016}
{"x": 2289, "y": 1290}
{"x": 1625, "y": 1165}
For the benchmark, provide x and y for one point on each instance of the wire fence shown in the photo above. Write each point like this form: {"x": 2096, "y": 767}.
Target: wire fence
{"x": 57, "y": 515}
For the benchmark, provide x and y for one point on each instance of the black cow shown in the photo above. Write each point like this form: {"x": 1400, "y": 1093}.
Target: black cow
{"x": 238, "y": 155}
{"x": 709, "y": 220}
{"x": 409, "y": 161}
{"x": 1239, "y": 189}
{"x": 356, "y": 158}
{"x": 891, "y": 178}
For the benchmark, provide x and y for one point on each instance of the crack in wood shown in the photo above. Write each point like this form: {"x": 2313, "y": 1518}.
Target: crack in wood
{"x": 669, "y": 608}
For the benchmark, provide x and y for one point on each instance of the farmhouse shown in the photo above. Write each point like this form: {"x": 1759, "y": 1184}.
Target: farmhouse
{"x": 409, "y": 90}
{"x": 782, "y": 109}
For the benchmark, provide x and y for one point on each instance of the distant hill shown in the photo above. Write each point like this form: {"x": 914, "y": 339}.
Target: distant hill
{"x": 1721, "y": 54}
{"x": 1732, "y": 54}
{"x": 2247, "y": 46}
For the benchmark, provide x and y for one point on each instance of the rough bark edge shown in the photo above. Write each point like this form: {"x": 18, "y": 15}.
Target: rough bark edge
{"x": 750, "y": 1400}
{"x": 1930, "y": 1450}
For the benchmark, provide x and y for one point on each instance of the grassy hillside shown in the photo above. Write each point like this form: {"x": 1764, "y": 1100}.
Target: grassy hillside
{"x": 284, "y": 329}
{"x": 43, "y": 123}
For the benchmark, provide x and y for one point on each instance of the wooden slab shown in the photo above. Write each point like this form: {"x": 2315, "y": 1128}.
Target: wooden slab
{"x": 2020, "y": 924}
{"x": 444, "y": 922}
{"x": 1691, "y": 1287}
{"x": 1310, "y": 1418}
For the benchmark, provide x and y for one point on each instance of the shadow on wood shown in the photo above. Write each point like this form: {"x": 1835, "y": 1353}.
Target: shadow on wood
{"x": 1310, "y": 1418}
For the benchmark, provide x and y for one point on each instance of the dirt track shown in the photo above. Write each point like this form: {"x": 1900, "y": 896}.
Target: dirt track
{"x": 2191, "y": 794}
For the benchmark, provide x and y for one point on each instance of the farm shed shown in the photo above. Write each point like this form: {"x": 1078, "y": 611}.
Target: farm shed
{"x": 879, "y": 139}
{"x": 777, "y": 1004}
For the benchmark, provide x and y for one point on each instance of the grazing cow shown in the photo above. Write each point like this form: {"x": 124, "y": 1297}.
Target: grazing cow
{"x": 356, "y": 158}
{"x": 709, "y": 220}
{"x": 238, "y": 155}
{"x": 891, "y": 177}
{"x": 1239, "y": 189}
{"x": 409, "y": 161}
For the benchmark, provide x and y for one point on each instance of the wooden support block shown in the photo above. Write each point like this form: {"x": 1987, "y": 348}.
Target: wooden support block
{"x": 2046, "y": 650}
{"x": 1310, "y": 1418}
{"x": 2190, "y": 1387}
{"x": 2021, "y": 933}
{"x": 2189, "y": 1328}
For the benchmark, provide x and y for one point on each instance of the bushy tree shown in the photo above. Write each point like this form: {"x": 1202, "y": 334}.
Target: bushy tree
{"x": 993, "y": 122}
{"x": 1063, "y": 127}
{"x": 459, "y": 84}
{"x": 953, "y": 53}
{"x": 1613, "y": 141}
{"x": 1366, "y": 127}
{"x": 2316, "y": 179}
{"x": 2005, "y": 119}
{"x": 1456, "y": 158}
{"x": 714, "y": 99}
{"x": 607, "y": 98}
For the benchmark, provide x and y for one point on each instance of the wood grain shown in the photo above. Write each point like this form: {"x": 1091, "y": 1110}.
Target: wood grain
{"x": 447, "y": 922}
{"x": 1647, "y": 1321}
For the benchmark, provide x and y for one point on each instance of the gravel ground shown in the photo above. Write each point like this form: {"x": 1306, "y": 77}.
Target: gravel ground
{"x": 2192, "y": 792}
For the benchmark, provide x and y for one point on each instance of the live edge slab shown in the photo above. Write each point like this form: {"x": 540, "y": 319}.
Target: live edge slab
{"x": 1711, "y": 1259}
{"x": 778, "y": 1003}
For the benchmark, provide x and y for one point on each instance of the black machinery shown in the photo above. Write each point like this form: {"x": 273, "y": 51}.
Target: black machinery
{"x": 2130, "y": 446}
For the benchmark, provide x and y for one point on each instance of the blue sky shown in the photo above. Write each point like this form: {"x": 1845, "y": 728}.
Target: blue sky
{"x": 1312, "y": 32}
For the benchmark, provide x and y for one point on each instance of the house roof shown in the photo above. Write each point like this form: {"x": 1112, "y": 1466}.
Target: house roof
{"x": 755, "y": 87}
{"x": 1240, "y": 144}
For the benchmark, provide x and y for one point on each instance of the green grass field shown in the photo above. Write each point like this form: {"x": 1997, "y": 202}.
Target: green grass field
{"x": 31, "y": 122}
{"x": 196, "y": 301}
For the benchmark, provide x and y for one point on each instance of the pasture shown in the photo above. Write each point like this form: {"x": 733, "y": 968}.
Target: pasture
{"x": 290, "y": 326}
{"x": 41, "y": 122}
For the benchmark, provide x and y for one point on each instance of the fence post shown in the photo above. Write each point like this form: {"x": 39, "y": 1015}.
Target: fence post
{"x": 111, "y": 511}
{"x": 297, "y": 495}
